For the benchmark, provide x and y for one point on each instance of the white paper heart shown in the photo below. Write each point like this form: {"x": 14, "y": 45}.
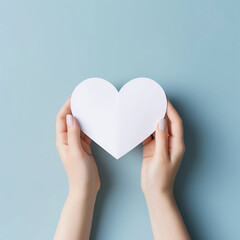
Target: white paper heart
{"x": 118, "y": 121}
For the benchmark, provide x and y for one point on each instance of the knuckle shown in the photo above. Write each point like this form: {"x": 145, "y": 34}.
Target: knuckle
{"x": 76, "y": 152}
{"x": 181, "y": 148}
{"x": 72, "y": 133}
{"x": 58, "y": 119}
{"x": 58, "y": 116}
{"x": 180, "y": 121}
{"x": 162, "y": 136}
{"x": 57, "y": 144}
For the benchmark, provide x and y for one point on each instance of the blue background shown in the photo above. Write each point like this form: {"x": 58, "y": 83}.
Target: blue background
{"x": 192, "y": 48}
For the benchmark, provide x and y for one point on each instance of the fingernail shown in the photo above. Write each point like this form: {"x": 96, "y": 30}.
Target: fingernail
{"x": 69, "y": 120}
{"x": 162, "y": 124}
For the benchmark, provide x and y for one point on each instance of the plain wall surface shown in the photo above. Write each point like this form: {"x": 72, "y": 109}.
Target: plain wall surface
{"x": 191, "y": 48}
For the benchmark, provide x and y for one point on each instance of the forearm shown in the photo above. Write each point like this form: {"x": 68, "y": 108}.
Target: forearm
{"x": 166, "y": 220}
{"x": 76, "y": 217}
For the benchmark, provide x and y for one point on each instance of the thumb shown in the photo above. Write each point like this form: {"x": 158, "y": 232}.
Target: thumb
{"x": 73, "y": 132}
{"x": 161, "y": 138}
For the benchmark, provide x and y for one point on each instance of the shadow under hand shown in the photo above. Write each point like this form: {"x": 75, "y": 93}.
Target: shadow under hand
{"x": 182, "y": 187}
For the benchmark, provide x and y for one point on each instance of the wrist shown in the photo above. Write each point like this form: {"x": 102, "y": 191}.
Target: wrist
{"x": 160, "y": 202}
{"x": 83, "y": 187}
{"x": 153, "y": 196}
{"x": 81, "y": 193}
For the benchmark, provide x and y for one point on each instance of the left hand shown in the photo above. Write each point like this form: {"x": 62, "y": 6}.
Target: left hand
{"x": 76, "y": 154}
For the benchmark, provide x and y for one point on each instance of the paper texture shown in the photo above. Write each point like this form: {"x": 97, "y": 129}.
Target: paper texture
{"x": 118, "y": 121}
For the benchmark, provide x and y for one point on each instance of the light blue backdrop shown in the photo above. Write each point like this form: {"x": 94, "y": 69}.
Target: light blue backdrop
{"x": 192, "y": 48}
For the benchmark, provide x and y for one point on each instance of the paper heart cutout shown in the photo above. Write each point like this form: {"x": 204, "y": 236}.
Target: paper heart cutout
{"x": 118, "y": 121}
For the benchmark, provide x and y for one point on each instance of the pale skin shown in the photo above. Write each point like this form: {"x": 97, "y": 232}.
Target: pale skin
{"x": 161, "y": 158}
{"x": 76, "y": 217}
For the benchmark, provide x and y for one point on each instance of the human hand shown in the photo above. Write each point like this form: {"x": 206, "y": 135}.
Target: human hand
{"x": 76, "y": 154}
{"x": 162, "y": 155}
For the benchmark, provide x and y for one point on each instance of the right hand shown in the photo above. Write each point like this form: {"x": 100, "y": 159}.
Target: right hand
{"x": 163, "y": 154}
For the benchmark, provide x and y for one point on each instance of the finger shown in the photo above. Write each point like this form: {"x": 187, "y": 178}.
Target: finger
{"x": 177, "y": 150}
{"x": 73, "y": 133}
{"x": 176, "y": 140}
{"x": 161, "y": 138}
{"x": 175, "y": 126}
{"x": 60, "y": 122}
{"x": 61, "y": 128}
{"x": 147, "y": 140}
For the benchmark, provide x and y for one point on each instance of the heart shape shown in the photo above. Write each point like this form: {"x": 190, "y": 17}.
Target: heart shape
{"x": 118, "y": 121}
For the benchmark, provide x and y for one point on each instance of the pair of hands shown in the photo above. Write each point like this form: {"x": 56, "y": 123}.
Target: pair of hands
{"x": 161, "y": 155}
